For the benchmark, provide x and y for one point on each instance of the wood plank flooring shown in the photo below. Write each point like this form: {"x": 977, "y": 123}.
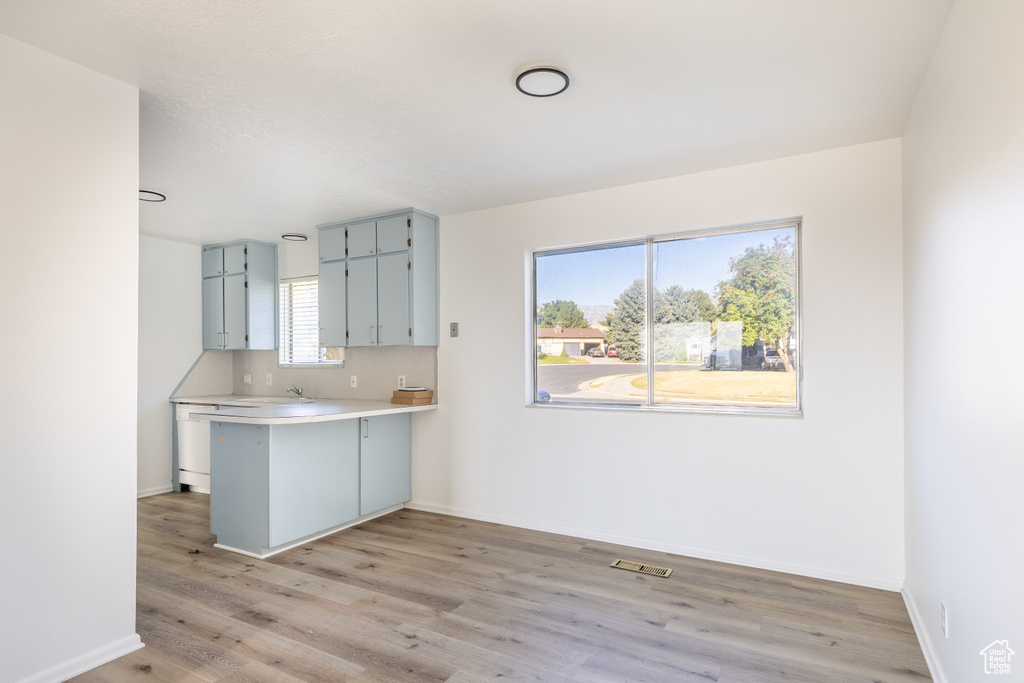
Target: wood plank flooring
{"x": 422, "y": 597}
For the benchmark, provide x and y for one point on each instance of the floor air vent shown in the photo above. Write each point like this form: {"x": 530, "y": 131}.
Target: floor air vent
{"x": 642, "y": 568}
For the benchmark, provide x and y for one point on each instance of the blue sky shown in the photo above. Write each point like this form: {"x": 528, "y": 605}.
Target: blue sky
{"x": 597, "y": 277}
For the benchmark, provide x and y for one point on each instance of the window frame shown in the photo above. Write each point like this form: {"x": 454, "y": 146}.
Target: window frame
{"x": 651, "y": 405}
{"x": 285, "y": 340}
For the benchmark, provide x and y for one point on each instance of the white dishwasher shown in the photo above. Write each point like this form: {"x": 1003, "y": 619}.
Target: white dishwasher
{"x": 193, "y": 447}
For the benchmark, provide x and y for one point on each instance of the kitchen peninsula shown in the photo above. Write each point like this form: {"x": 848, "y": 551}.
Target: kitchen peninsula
{"x": 285, "y": 474}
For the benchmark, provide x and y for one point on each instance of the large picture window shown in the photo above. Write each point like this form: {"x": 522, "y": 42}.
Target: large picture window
{"x": 704, "y": 321}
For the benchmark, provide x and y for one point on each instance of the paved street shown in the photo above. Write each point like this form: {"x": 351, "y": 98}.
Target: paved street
{"x": 562, "y": 380}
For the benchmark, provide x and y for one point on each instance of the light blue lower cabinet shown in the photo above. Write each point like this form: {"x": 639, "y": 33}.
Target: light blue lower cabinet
{"x": 385, "y": 456}
{"x": 275, "y": 485}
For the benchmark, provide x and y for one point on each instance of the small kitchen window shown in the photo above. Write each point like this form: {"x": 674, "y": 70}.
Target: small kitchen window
{"x": 300, "y": 327}
{"x": 705, "y": 321}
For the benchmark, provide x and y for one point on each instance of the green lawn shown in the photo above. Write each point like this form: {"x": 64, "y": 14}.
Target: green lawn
{"x": 745, "y": 386}
{"x": 562, "y": 360}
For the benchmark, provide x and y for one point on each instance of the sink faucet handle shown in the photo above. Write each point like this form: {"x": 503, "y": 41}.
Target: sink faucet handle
{"x": 297, "y": 390}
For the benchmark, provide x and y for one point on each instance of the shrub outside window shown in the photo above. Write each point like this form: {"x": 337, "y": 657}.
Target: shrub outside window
{"x": 701, "y": 321}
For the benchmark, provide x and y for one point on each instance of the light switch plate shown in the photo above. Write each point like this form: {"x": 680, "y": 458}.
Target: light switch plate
{"x": 352, "y": 381}
{"x": 454, "y": 330}
{"x": 247, "y": 378}
{"x": 270, "y": 379}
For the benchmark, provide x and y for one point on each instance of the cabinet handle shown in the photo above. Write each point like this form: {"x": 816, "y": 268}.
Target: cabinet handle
{"x": 220, "y": 340}
{"x": 366, "y": 428}
{"x": 225, "y": 340}
{"x": 373, "y": 336}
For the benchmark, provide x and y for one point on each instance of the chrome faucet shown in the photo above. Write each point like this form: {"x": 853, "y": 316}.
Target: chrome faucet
{"x": 298, "y": 391}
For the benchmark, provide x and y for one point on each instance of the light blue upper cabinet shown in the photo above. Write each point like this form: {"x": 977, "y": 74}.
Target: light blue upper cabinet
{"x": 234, "y": 311}
{"x": 213, "y": 262}
{"x": 362, "y": 239}
{"x": 235, "y": 259}
{"x": 393, "y": 233}
{"x": 331, "y": 297}
{"x": 391, "y": 295}
{"x": 393, "y": 325}
{"x": 240, "y": 296}
{"x": 213, "y": 312}
{"x": 362, "y": 302}
{"x": 332, "y": 244}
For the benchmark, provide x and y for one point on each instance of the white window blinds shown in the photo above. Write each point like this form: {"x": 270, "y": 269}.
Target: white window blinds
{"x": 300, "y": 328}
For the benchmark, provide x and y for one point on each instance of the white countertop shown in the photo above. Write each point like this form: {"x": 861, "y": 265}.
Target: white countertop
{"x": 317, "y": 410}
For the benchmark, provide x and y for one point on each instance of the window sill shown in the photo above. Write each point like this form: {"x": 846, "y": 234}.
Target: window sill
{"x": 338, "y": 364}
{"x": 686, "y": 410}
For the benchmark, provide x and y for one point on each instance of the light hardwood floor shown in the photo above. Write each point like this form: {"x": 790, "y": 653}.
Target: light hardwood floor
{"x": 415, "y": 596}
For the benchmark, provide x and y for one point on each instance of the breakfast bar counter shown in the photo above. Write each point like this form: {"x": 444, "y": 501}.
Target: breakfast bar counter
{"x": 285, "y": 474}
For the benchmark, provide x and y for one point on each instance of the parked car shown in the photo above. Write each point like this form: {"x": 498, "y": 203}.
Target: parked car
{"x": 772, "y": 360}
{"x": 543, "y": 396}
{"x": 596, "y": 352}
{"x": 613, "y": 352}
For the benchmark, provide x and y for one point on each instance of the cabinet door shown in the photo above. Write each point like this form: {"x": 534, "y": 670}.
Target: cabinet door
{"x": 314, "y": 478}
{"x": 213, "y": 312}
{"x": 332, "y": 244}
{"x": 385, "y": 462}
{"x": 234, "y": 312}
{"x": 234, "y": 259}
{"x": 362, "y": 239}
{"x": 331, "y": 303}
{"x": 362, "y": 302}
{"x": 213, "y": 262}
{"x": 393, "y": 300}
{"x": 393, "y": 234}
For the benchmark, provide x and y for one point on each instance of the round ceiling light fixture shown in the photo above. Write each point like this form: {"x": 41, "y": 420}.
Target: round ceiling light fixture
{"x": 294, "y": 237}
{"x": 542, "y": 81}
{"x": 150, "y": 196}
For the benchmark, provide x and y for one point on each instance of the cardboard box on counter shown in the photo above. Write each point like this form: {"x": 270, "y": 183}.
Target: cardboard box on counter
{"x": 412, "y": 397}
{"x": 401, "y": 400}
{"x": 414, "y": 393}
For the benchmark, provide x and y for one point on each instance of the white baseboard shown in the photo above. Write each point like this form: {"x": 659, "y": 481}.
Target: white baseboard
{"x": 854, "y": 578}
{"x": 88, "y": 661}
{"x": 155, "y": 491}
{"x": 923, "y": 638}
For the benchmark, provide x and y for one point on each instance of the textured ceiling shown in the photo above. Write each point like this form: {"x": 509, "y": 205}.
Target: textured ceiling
{"x": 263, "y": 117}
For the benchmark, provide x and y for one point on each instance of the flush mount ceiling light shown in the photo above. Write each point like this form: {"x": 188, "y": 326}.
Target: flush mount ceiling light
{"x": 294, "y": 237}
{"x": 542, "y": 81}
{"x": 150, "y": 196}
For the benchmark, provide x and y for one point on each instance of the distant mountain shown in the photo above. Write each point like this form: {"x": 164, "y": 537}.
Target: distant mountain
{"x": 596, "y": 314}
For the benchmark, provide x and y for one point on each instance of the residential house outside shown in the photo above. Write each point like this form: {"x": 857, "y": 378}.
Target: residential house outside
{"x": 576, "y": 341}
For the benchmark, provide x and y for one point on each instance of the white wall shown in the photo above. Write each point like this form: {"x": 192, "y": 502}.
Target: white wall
{"x": 69, "y": 258}
{"x": 170, "y": 341}
{"x": 821, "y": 495}
{"x": 299, "y": 259}
{"x": 964, "y": 275}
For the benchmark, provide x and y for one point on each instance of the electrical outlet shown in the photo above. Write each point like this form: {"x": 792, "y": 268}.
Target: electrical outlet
{"x": 352, "y": 381}
{"x": 944, "y": 618}
{"x": 401, "y": 381}
{"x": 247, "y": 378}
{"x": 270, "y": 379}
